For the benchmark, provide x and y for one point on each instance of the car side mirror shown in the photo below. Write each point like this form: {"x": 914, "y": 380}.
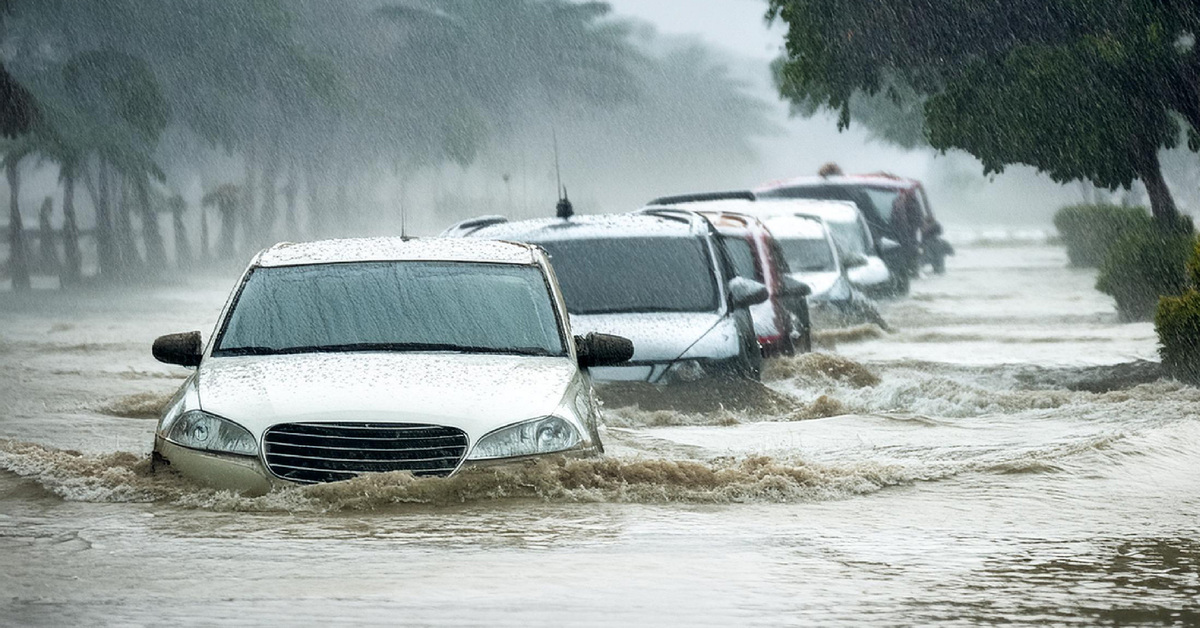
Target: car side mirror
{"x": 746, "y": 292}
{"x": 602, "y": 349}
{"x": 887, "y": 245}
{"x": 793, "y": 287}
{"x": 854, "y": 260}
{"x": 183, "y": 349}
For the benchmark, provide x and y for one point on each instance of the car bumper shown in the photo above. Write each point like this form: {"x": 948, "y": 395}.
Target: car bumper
{"x": 243, "y": 474}
{"x": 248, "y": 476}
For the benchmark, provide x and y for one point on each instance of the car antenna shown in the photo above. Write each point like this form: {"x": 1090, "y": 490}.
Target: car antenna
{"x": 563, "y": 209}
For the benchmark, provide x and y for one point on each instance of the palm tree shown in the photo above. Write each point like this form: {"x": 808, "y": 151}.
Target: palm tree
{"x": 18, "y": 259}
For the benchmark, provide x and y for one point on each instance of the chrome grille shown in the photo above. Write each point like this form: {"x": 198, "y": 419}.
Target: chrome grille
{"x": 328, "y": 452}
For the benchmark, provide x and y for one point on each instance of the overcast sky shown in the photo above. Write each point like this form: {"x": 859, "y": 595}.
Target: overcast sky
{"x": 956, "y": 182}
{"x": 736, "y": 25}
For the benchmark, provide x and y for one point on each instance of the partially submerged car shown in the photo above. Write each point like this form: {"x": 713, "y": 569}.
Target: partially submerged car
{"x": 812, "y": 255}
{"x": 807, "y": 244}
{"x": 895, "y": 208}
{"x": 660, "y": 279}
{"x": 859, "y": 252}
{"x": 782, "y": 321}
{"x": 343, "y": 357}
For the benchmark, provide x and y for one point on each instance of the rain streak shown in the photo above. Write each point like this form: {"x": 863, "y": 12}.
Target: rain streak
{"x": 639, "y": 312}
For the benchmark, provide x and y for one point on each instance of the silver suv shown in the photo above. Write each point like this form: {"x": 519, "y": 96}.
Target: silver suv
{"x": 662, "y": 280}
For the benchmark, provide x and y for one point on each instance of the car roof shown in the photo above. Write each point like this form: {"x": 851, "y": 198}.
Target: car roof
{"x": 395, "y": 249}
{"x": 874, "y": 180}
{"x": 832, "y": 211}
{"x": 792, "y": 226}
{"x": 736, "y": 205}
{"x": 594, "y": 226}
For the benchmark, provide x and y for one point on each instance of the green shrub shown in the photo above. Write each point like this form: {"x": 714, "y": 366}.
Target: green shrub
{"x": 1178, "y": 325}
{"x": 1089, "y": 230}
{"x": 1143, "y": 265}
{"x": 1177, "y": 322}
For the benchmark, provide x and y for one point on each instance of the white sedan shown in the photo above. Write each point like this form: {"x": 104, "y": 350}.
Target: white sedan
{"x": 342, "y": 357}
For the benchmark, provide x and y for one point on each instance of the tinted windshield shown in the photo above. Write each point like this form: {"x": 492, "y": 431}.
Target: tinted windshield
{"x": 807, "y": 255}
{"x": 741, "y": 256}
{"x": 851, "y": 236}
{"x": 393, "y": 306}
{"x": 634, "y": 274}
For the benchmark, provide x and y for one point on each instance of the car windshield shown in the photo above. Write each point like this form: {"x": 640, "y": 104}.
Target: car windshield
{"x": 741, "y": 257}
{"x": 851, "y": 236}
{"x": 807, "y": 254}
{"x": 638, "y": 274}
{"x": 393, "y": 306}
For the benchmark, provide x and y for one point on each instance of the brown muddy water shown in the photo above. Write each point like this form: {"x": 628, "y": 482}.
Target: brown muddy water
{"x": 985, "y": 463}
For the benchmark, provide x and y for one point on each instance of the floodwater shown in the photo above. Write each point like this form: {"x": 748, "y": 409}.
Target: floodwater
{"x": 984, "y": 463}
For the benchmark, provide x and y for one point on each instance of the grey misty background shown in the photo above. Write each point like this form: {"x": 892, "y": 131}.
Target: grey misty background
{"x": 692, "y": 109}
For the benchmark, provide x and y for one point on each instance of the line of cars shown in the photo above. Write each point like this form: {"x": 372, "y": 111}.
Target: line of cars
{"x": 342, "y": 357}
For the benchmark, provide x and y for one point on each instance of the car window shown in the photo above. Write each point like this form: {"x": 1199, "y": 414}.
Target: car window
{"x": 807, "y": 255}
{"x": 638, "y": 274}
{"x": 741, "y": 257}
{"x": 850, "y": 236}
{"x": 883, "y": 199}
{"x": 398, "y": 306}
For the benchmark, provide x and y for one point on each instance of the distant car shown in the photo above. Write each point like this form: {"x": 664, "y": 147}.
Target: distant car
{"x": 660, "y": 279}
{"x": 812, "y": 255}
{"x": 808, "y": 248}
{"x": 782, "y": 321}
{"x": 860, "y": 255}
{"x": 878, "y": 196}
{"x": 342, "y": 357}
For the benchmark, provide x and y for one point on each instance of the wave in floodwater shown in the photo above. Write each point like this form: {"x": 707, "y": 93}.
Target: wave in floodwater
{"x": 143, "y": 405}
{"x": 127, "y": 477}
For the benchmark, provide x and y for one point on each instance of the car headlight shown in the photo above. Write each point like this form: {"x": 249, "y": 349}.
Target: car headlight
{"x": 201, "y": 430}
{"x": 539, "y": 436}
{"x": 685, "y": 371}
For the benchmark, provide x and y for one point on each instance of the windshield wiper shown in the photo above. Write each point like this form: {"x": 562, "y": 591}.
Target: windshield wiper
{"x": 383, "y": 346}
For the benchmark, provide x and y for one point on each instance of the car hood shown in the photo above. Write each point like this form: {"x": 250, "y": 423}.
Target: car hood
{"x": 656, "y": 336}
{"x": 820, "y": 282}
{"x": 873, "y": 273}
{"x": 476, "y": 393}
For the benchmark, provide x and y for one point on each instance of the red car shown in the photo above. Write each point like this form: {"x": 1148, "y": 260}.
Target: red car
{"x": 782, "y": 321}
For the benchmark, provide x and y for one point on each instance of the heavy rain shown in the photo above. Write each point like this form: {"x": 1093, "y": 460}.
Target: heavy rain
{"x": 639, "y": 312}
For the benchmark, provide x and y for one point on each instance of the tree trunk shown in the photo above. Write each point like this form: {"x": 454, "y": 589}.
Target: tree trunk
{"x": 18, "y": 262}
{"x": 183, "y": 250}
{"x": 1162, "y": 204}
{"x": 249, "y": 214}
{"x": 48, "y": 262}
{"x": 227, "y": 208}
{"x": 126, "y": 243}
{"x": 152, "y": 241}
{"x": 204, "y": 250}
{"x": 73, "y": 269}
{"x": 106, "y": 244}
{"x": 270, "y": 211}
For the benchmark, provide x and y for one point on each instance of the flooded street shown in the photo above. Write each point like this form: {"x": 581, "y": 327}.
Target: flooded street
{"x": 1007, "y": 454}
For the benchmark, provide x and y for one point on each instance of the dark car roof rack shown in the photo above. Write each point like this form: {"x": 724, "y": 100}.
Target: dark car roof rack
{"x": 682, "y": 215}
{"x": 745, "y": 195}
{"x": 471, "y": 225}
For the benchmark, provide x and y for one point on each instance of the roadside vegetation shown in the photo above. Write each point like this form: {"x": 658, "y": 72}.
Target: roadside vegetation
{"x": 214, "y": 128}
{"x": 1088, "y": 231}
{"x": 1177, "y": 322}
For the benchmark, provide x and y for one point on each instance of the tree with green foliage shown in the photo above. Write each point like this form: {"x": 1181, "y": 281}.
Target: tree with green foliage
{"x": 1080, "y": 89}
